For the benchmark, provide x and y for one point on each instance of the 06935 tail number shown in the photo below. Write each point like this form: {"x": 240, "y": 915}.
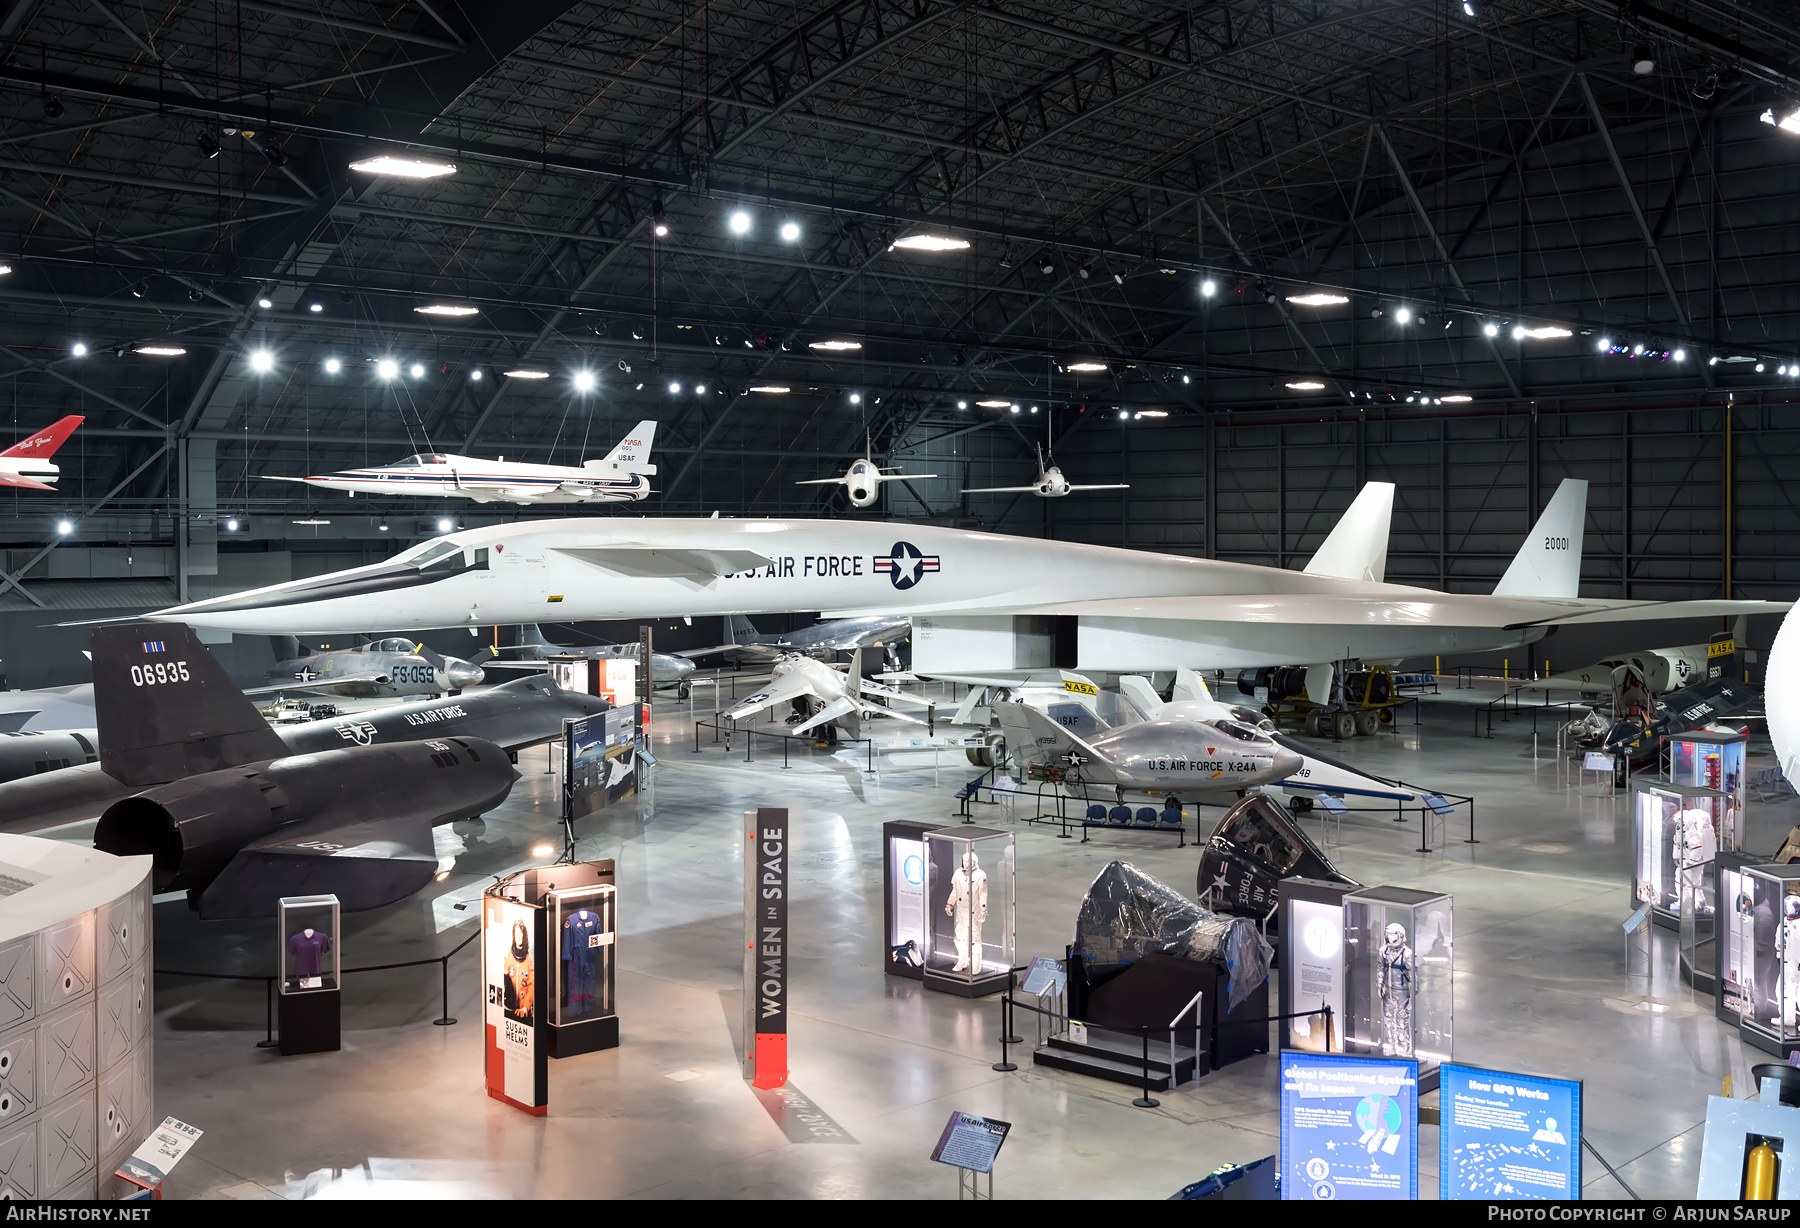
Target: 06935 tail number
{"x": 160, "y": 674}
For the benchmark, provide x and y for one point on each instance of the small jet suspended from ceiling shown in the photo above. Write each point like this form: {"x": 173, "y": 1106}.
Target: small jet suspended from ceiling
{"x": 27, "y": 463}
{"x": 862, "y": 481}
{"x": 622, "y": 476}
{"x": 1050, "y": 484}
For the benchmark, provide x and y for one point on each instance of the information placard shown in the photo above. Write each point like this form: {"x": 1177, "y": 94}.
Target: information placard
{"x": 1349, "y": 1127}
{"x": 970, "y": 1142}
{"x": 1508, "y": 1136}
{"x": 1045, "y": 976}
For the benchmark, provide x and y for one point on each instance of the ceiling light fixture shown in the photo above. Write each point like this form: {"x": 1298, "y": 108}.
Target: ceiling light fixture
{"x": 65, "y": 527}
{"x": 1319, "y": 299}
{"x": 929, "y": 243}
{"x": 475, "y": 375}
{"x": 740, "y": 223}
{"x": 856, "y": 397}
{"x": 674, "y": 387}
{"x": 700, "y": 389}
{"x": 834, "y": 346}
{"x": 1643, "y": 60}
{"x": 1490, "y": 329}
{"x": 1402, "y": 315}
{"x": 418, "y": 370}
{"x": 333, "y": 366}
{"x": 5, "y": 269}
{"x": 445, "y": 525}
{"x": 160, "y": 351}
{"x": 262, "y": 362}
{"x": 79, "y": 349}
{"x": 1679, "y": 356}
{"x": 313, "y": 521}
{"x": 1154, "y": 413}
{"x": 1306, "y": 385}
{"x": 1456, "y": 398}
{"x": 526, "y": 373}
{"x": 404, "y": 168}
{"x": 993, "y": 404}
{"x": 1208, "y": 288}
{"x": 387, "y": 368}
{"x": 584, "y": 381}
{"x": 446, "y": 309}
{"x": 962, "y": 405}
{"x": 315, "y": 307}
{"x": 264, "y": 303}
{"x": 772, "y": 389}
{"x": 790, "y": 231}
{"x": 1544, "y": 332}
{"x": 1087, "y": 365}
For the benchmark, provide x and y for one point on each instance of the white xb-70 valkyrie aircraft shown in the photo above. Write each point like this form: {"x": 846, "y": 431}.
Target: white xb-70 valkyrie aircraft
{"x": 980, "y": 602}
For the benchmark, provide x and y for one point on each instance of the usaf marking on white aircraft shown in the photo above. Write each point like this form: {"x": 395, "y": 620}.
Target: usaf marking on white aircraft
{"x": 1132, "y": 610}
{"x": 1179, "y": 757}
{"x": 622, "y": 476}
{"x": 834, "y": 697}
{"x": 862, "y": 481}
{"x": 1050, "y": 484}
{"x": 1662, "y": 669}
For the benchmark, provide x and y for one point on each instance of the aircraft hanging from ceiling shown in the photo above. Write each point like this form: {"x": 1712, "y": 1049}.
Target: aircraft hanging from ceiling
{"x": 862, "y": 481}
{"x": 622, "y": 476}
{"x": 26, "y": 464}
{"x": 979, "y": 601}
{"x": 1050, "y": 484}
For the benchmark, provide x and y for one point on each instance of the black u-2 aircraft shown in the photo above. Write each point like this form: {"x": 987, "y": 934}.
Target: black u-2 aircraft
{"x": 236, "y": 817}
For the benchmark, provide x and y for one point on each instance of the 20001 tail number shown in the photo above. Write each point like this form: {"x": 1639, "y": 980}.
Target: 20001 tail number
{"x": 160, "y": 674}
{"x": 1556, "y": 543}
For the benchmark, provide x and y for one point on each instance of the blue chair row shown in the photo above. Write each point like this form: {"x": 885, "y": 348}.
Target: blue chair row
{"x": 1122, "y": 816}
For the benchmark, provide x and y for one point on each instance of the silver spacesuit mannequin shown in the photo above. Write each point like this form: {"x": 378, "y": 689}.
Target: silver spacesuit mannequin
{"x": 1395, "y": 984}
{"x": 968, "y": 904}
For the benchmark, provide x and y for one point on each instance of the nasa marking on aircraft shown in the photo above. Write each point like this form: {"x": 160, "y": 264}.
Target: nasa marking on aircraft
{"x": 622, "y": 476}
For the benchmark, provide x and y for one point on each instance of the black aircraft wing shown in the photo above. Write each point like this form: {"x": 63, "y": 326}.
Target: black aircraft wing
{"x": 366, "y": 864}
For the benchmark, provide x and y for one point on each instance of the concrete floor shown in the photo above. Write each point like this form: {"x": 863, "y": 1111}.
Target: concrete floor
{"x": 401, "y": 1111}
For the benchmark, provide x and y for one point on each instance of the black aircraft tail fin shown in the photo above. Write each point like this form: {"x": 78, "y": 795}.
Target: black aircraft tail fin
{"x": 166, "y": 708}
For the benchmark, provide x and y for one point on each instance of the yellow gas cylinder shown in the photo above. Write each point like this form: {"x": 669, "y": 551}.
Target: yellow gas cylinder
{"x": 1759, "y": 1174}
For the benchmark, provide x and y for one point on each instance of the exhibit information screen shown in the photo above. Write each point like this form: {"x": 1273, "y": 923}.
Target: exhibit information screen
{"x": 1349, "y": 1127}
{"x": 1505, "y": 1137}
{"x": 971, "y": 1142}
{"x": 1317, "y": 977}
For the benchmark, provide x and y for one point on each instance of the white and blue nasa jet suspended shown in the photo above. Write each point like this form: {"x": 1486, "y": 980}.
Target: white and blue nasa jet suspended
{"x": 979, "y": 602}
{"x": 621, "y": 476}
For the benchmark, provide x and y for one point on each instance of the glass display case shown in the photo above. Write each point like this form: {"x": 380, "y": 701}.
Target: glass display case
{"x": 1713, "y": 762}
{"x": 1311, "y": 967}
{"x": 1398, "y": 966}
{"x": 903, "y": 896}
{"x": 308, "y": 955}
{"x": 1772, "y": 995}
{"x": 968, "y": 910}
{"x": 307, "y": 930}
{"x": 584, "y": 928}
{"x": 1698, "y": 921}
{"x": 1674, "y": 828}
{"x": 1732, "y": 936}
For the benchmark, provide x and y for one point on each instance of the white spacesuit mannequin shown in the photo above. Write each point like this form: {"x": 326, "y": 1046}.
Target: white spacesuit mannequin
{"x": 1395, "y": 984}
{"x": 1696, "y": 843}
{"x": 968, "y": 904}
{"x": 1790, "y": 961}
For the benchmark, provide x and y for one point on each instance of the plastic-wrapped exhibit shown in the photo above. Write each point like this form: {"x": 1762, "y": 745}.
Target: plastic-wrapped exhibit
{"x": 1127, "y": 915}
